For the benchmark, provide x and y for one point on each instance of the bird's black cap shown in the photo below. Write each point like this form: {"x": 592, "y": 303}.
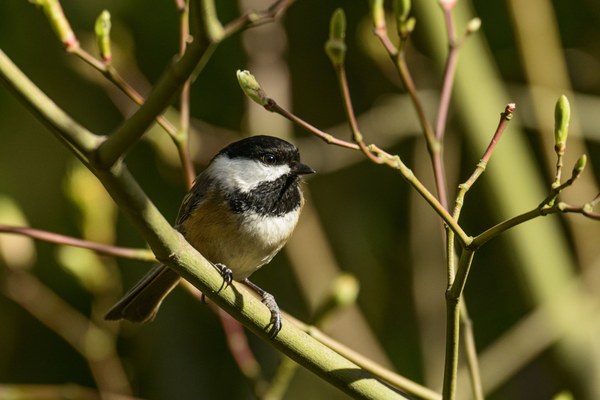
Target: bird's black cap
{"x": 269, "y": 150}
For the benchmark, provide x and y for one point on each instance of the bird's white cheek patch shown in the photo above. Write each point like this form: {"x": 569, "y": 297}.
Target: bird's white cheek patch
{"x": 244, "y": 174}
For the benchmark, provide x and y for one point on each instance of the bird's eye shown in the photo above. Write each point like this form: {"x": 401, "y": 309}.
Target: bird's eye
{"x": 269, "y": 158}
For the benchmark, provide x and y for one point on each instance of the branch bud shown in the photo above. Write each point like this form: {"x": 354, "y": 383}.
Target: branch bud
{"x": 579, "y": 166}
{"x": 335, "y": 47}
{"x": 251, "y": 87}
{"x": 345, "y": 290}
{"x": 562, "y": 115}
{"x": 405, "y": 25}
{"x": 58, "y": 21}
{"x": 212, "y": 26}
{"x": 401, "y": 11}
{"x": 408, "y": 26}
{"x": 342, "y": 293}
{"x": 102, "y": 29}
{"x": 377, "y": 13}
{"x": 473, "y": 26}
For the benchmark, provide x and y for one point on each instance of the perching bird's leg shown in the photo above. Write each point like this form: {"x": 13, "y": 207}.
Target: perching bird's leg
{"x": 269, "y": 301}
{"x": 226, "y": 273}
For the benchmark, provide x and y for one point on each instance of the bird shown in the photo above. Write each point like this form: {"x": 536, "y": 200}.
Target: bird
{"x": 239, "y": 213}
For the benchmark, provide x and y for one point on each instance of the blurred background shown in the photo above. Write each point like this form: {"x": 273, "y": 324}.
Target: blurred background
{"x": 532, "y": 294}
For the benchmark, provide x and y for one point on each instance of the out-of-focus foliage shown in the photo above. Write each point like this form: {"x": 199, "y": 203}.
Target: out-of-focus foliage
{"x": 365, "y": 211}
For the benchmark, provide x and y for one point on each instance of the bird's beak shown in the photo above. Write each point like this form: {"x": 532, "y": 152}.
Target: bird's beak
{"x": 302, "y": 169}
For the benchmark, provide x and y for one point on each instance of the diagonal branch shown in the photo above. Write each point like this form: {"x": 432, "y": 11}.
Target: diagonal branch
{"x": 207, "y": 32}
{"x": 73, "y": 135}
{"x": 159, "y": 98}
{"x": 171, "y": 248}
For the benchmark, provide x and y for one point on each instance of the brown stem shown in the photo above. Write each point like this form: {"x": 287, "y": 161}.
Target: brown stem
{"x": 115, "y": 251}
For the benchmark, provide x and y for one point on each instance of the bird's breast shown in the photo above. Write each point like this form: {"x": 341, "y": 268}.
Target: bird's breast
{"x": 242, "y": 241}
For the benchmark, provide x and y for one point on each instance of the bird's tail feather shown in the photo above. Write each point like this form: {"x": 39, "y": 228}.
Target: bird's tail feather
{"x": 142, "y": 301}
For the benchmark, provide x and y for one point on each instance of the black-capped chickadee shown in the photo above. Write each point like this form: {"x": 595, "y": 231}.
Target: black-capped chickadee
{"x": 240, "y": 212}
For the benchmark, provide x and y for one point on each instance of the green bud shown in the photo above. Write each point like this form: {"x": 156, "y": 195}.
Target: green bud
{"x": 579, "y": 165}
{"x": 401, "y": 10}
{"x": 102, "y": 29}
{"x": 335, "y": 47}
{"x": 562, "y": 115}
{"x": 473, "y": 26}
{"x": 342, "y": 293}
{"x": 345, "y": 290}
{"x": 212, "y": 26}
{"x": 251, "y": 87}
{"x": 377, "y": 13}
{"x": 407, "y": 27}
{"x": 58, "y": 21}
{"x": 337, "y": 25}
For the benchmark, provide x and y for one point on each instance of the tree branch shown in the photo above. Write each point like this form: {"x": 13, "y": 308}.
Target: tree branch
{"x": 159, "y": 98}
{"x": 171, "y": 248}
{"x": 106, "y": 249}
{"x": 73, "y": 135}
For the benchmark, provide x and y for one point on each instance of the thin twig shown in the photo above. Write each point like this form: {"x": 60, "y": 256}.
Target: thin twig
{"x": 182, "y": 138}
{"x": 397, "y": 55}
{"x": 390, "y": 160}
{"x": 583, "y": 210}
{"x": 398, "y": 58}
{"x": 110, "y": 72}
{"x": 255, "y": 18}
{"x": 449, "y": 74}
{"x": 453, "y": 296}
{"x": 505, "y": 117}
{"x": 356, "y": 134}
{"x": 179, "y": 140}
{"x": 117, "y": 144}
{"x": 494, "y": 231}
{"x": 326, "y": 137}
{"x": 105, "y": 249}
{"x": 434, "y": 147}
{"x": 470, "y": 351}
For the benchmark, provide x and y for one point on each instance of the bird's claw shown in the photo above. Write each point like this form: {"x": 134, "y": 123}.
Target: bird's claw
{"x": 227, "y": 275}
{"x": 275, "y": 324}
